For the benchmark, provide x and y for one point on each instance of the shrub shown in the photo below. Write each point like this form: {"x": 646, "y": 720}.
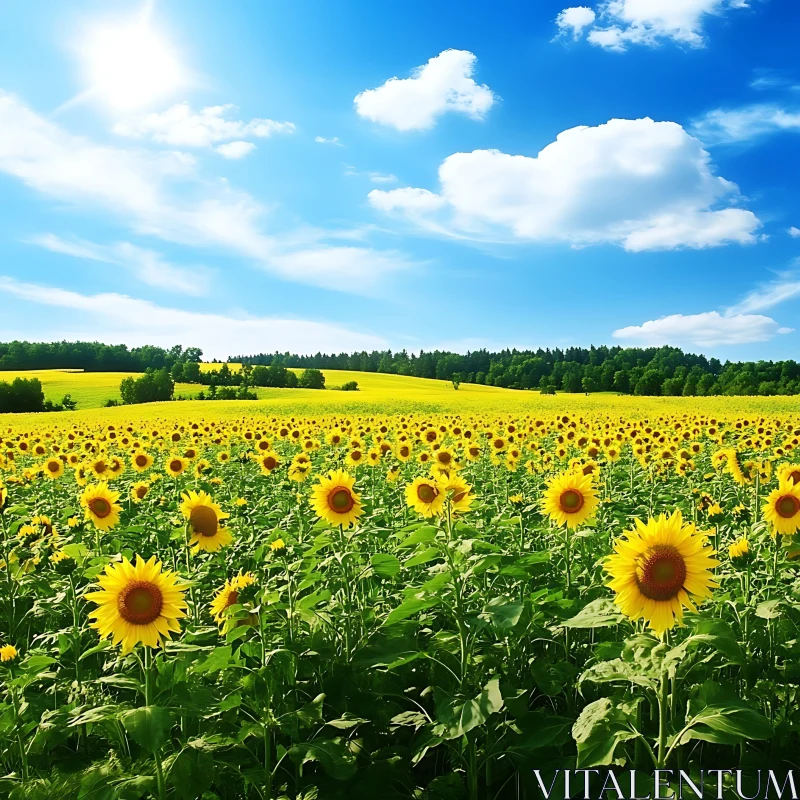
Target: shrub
{"x": 154, "y": 385}
{"x": 22, "y": 394}
{"x": 350, "y": 386}
{"x": 312, "y": 379}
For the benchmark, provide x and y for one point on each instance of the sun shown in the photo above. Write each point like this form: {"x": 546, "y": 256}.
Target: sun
{"x": 129, "y": 64}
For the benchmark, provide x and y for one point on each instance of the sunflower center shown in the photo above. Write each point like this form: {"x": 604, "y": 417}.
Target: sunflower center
{"x": 787, "y": 506}
{"x": 140, "y": 603}
{"x": 794, "y": 477}
{"x": 458, "y": 496}
{"x": 100, "y": 507}
{"x": 141, "y": 491}
{"x": 341, "y": 500}
{"x": 100, "y": 466}
{"x": 444, "y": 458}
{"x": 571, "y": 501}
{"x": 232, "y": 599}
{"x": 53, "y": 466}
{"x": 404, "y": 452}
{"x": 270, "y": 462}
{"x": 661, "y": 573}
{"x": 141, "y": 461}
{"x": 175, "y": 465}
{"x": 427, "y": 493}
{"x": 204, "y": 521}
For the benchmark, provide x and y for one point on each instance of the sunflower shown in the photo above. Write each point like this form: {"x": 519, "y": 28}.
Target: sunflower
{"x": 228, "y": 596}
{"x": 3, "y": 496}
{"x": 268, "y": 461}
{"x": 99, "y": 467}
{"x": 739, "y": 550}
{"x": 100, "y": 505}
{"x": 141, "y": 461}
{"x": 789, "y": 472}
{"x": 203, "y": 516}
{"x": 444, "y": 457}
{"x": 138, "y": 602}
{"x": 458, "y": 492}
{"x": 656, "y": 567}
{"x": 334, "y": 500}
{"x": 176, "y": 465}
{"x": 299, "y": 471}
{"x": 8, "y": 652}
{"x": 782, "y": 508}
{"x": 426, "y": 496}
{"x": 403, "y": 451}
{"x": 570, "y": 499}
{"x": 139, "y": 491}
{"x": 53, "y": 468}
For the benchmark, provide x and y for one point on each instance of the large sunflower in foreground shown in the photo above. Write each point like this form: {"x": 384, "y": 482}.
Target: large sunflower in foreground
{"x": 204, "y": 516}
{"x": 138, "y": 602}
{"x": 100, "y": 505}
{"x": 570, "y": 499}
{"x": 660, "y": 568}
{"x": 782, "y": 507}
{"x": 334, "y": 500}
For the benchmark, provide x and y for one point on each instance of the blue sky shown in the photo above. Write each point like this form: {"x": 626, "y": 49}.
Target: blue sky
{"x": 309, "y": 176}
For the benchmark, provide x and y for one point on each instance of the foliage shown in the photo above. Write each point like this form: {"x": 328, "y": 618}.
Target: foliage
{"x": 154, "y": 385}
{"x": 665, "y": 371}
{"x": 92, "y": 356}
{"x": 21, "y": 395}
{"x": 311, "y": 379}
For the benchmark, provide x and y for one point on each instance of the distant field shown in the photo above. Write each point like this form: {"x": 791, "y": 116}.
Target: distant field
{"x": 384, "y": 394}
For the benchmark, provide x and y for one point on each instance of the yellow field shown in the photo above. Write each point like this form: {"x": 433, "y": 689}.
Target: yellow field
{"x": 380, "y": 394}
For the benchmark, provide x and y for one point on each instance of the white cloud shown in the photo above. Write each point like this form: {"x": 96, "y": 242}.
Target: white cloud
{"x": 158, "y": 194}
{"x": 572, "y": 21}
{"x": 444, "y": 84}
{"x": 793, "y": 232}
{"x": 147, "y": 265}
{"x": 179, "y": 126}
{"x": 708, "y": 329}
{"x": 621, "y": 23}
{"x": 138, "y": 322}
{"x": 724, "y": 126}
{"x": 642, "y": 184}
{"x": 235, "y": 150}
{"x": 332, "y": 140}
{"x": 375, "y": 177}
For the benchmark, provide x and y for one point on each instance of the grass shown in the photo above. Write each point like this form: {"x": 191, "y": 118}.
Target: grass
{"x": 380, "y": 393}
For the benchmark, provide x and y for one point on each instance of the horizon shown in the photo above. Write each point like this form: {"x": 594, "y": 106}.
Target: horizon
{"x": 531, "y": 177}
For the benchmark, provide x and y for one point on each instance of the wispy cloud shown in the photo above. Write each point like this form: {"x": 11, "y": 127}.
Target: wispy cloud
{"x": 146, "y": 265}
{"x": 727, "y": 126}
{"x": 771, "y": 294}
{"x": 332, "y": 140}
{"x": 137, "y": 322}
{"x": 161, "y": 194}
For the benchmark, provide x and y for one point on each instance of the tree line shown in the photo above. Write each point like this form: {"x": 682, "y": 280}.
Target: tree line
{"x": 93, "y": 356}
{"x": 627, "y": 370}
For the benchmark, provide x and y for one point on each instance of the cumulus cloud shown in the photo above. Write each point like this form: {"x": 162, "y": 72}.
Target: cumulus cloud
{"x": 146, "y": 265}
{"x": 137, "y": 322}
{"x": 160, "y": 194}
{"x": 641, "y": 184}
{"x": 618, "y": 24}
{"x": 179, "y": 126}
{"x": 725, "y": 126}
{"x": 794, "y": 232}
{"x": 572, "y": 21}
{"x": 444, "y": 84}
{"x": 235, "y": 150}
{"x": 708, "y": 329}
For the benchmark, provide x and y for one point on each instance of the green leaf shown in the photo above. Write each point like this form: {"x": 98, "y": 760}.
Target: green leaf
{"x": 427, "y": 555}
{"x": 148, "y": 726}
{"x": 332, "y": 754}
{"x": 599, "y": 729}
{"x": 76, "y": 551}
{"x": 385, "y": 565}
{"x": 231, "y": 701}
{"x": 600, "y": 613}
{"x": 425, "y": 534}
{"x": 346, "y": 721}
{"x": 409, "y": 608}
{"x": 191, "y": 773}
{"x": 769, "y": 609}
{"x": 735, "y": 719}
{"x": 539, "y": 729}
{"x": 503, "y": 613}
{"x": 460, "y": 718}
{"x": 217, "y": 660}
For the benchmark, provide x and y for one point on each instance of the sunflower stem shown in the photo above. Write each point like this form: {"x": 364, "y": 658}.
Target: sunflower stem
{"x": 663, "y": 696}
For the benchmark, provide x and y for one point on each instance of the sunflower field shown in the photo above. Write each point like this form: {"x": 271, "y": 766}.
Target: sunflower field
{"x": 418, "y": 605}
